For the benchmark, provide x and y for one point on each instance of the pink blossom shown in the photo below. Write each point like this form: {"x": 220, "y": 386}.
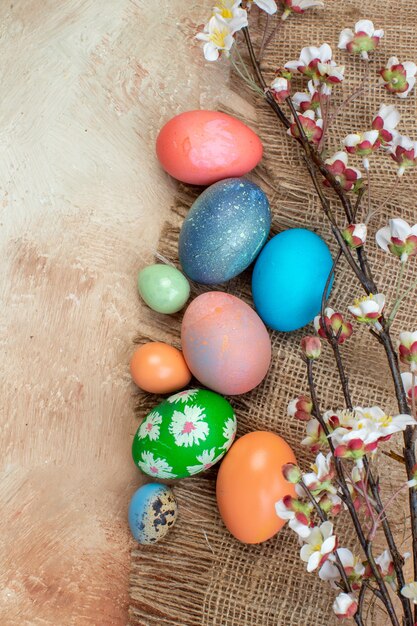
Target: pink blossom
{"x": 404, "y": 152}
{"x": 363, "y": 144}
{"x": 399, "y": 78}
{"x": 335, "y": 323}
{"x": 313, "y": 129}
{"x": 355, "y": 235}
{"x": 348, "y": 177}
{"x": 385, "y": 122}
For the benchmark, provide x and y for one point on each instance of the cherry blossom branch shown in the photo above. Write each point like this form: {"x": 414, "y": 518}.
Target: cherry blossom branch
{"x": 378, "y": 505}
{"x": 363, "y": 273}
{"x": 365, "y": 544}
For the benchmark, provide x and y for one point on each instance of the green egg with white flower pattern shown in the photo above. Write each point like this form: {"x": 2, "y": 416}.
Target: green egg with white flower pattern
{"x": 184, "y": 435}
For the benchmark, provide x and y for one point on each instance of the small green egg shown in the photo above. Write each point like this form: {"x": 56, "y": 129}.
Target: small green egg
{"x": 163, "y": 288}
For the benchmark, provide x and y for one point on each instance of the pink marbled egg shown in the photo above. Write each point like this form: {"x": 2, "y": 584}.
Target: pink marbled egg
{"x": 225, "y": 343}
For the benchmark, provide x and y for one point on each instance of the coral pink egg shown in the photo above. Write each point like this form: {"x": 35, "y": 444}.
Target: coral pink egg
{"x": 202, "y": 147}
{"x": 250, "y": 482}
{"x": 225, "y": 343}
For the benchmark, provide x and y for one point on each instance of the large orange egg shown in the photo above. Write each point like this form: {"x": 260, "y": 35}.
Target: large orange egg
{"x": 250, "y": 482}
{"x": 202, "y": 147}
{"x": 159, "y": 368}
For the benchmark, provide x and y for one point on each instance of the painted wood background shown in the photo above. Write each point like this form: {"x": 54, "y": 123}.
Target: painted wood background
{"x": 85, "y": 86}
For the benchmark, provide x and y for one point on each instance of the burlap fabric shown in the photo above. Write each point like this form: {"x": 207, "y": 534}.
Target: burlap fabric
{"x": 200, "y": 575}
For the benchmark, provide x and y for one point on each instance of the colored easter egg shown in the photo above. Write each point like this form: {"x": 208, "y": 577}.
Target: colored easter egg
{"x": 202, "y": 147}
{"x": 164, "y": 288}
{"x": 224, "y": 231}
{"x": 152, "y": 511}
{"x": 289, "y": 279}
{"x": 159, "y": 368}
{"x": 184, "y": 435}
{"x": 225, "y": 343}
{"x": 250, "y": 482}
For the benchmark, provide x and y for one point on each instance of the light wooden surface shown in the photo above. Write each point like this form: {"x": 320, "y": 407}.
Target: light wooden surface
{"x": 86, "y": 84}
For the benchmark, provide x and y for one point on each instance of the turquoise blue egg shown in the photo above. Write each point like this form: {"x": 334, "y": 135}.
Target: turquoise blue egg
{"x": 289, "y": 279}
{"x": 224, "y": 231}
{"x": 152, "y": 512}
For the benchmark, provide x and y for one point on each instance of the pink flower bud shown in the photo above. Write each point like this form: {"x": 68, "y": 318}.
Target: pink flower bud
{"x": 292, "y": 473}
{"x": 345, "y": 605}
{"x": 281, "y": 88}
{"x": 311, "y": 347}
{"x": 408, "y": 349}
{"x": 355, "y": 235}
{"x": 300, "y": 408}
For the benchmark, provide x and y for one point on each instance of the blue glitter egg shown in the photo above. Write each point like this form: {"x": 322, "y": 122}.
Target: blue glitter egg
{"x": 152, "y": 511}
{"x": 289, "y": 278}
{"x": 224, "y": 231}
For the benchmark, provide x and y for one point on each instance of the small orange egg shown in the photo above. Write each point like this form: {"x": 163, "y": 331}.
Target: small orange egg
{"x": 159, "y": 368}
{"x": 250, "y": 482}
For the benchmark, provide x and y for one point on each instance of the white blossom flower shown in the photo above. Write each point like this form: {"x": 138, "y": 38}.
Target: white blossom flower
{"x": 399, "y": 78}
{"x": 156, "y": 467}
{"x": 218, "y": 38}
{"x": 269, "y": 6}
{"x": 404, "y": 152}
{"x": 399, "y": 238}
{"x": 319, "y": 479}
{"x": 298, "y": 520}
{"x": 385, "y": 122}
{"x": 368, "y": 309}
{"x": 188, "y": 426}
{"x": 304, "y": 101}
{"x": 207, "y": 460}
{"x": 299, "y": 6}
{"x": 232, "y": 13}
{"x": 410, "y": 591}
{"x": 345, "y": 605}
{"x": 319, "y": 545}
{"x": 183, "y": 396}
{"x": 229, "y": 432}
{"x": 316, "y": 437}
{"x": 318, "y": 65}
{"x": 362, "y": 144}
{"x": 310, "y": 56}
{"x": 369, "y": 425}
{"x": 362, "y": 40}
{"x": 352, "y": 565}
{"x": 150, "y": 426}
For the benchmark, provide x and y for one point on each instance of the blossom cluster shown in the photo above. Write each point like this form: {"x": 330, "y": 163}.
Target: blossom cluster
{"x": 230, "y": 16}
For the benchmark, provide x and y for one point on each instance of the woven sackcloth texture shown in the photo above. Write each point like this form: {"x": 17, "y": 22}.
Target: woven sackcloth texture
{"x": 200, "y": 575}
